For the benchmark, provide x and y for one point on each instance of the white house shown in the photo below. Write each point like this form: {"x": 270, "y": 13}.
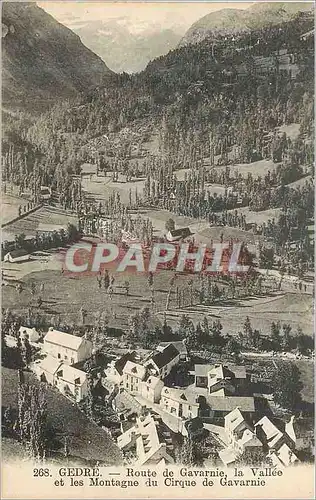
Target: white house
{"x": 133, "y": 375}
{"x": 161, "y": 362}
{"x": 31, "y": 333}
{"x": 46, "y": 370}
{"x": 180, "y": 403}
{"x": 178, "y": 234}
{"x": 19, "y": 255}
{"x": 221, "y": 380}
{"x": 283, "y": 457}
{"x": 240, "y": 436}
{"x": 147, "y": 443}
{"x": 71, "y": 382}
{"x": 68, "y": 348}
{"x": 114, "y": 370}
{"x": 151, "y": 388}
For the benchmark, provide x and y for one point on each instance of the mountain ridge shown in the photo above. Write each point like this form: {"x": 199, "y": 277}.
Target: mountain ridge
{"x": 236, "y": 21}
{"x": 43, "y": 59}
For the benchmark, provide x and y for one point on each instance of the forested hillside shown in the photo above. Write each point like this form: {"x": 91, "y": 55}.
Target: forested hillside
{"x": 219, "y": 102}
{"x": 42, "y": 60}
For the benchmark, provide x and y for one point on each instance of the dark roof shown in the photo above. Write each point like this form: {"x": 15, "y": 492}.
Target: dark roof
{"x": 162, "y": 358}
{"x": 121, "y": 362}
{"x": 181, "y": 233}
{"x": 18, "y": 253}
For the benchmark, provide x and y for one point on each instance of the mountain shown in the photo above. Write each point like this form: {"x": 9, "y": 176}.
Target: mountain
{"x": 42, "y": 60}
{"x": 127, "y": 46}
{"x": 235, "y": 21}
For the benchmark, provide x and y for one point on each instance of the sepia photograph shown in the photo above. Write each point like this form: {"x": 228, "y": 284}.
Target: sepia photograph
{"x": 157, "y": 249}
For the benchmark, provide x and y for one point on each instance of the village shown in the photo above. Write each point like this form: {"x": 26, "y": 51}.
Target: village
{"x": 216, "y": 406}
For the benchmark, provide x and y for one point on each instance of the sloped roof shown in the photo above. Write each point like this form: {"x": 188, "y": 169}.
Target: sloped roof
{"x": 179, "y": 345}
{"x": 161, "y": 359}
{"x": 135, "y": 369}
{"x": 273, "y": 434}
{"x": 153, "y": 381}
{"x": 64, "y": 339}
{"x": 121, "y": 362}
{"x": 70, "y": 374}
{"x": 180, "y": 395}
{"x": 26, "y": 329}
{"x": 18, "y": 253}
{"x": 234, "y": 418}
{"x": 229, "y": 403}
{"x": 284, "y": 456}
{"x": 249, "y": 439}
{"x": 181, "y": 233}
{"x": 50, "y": 364}
{"x": 202, "y": 370}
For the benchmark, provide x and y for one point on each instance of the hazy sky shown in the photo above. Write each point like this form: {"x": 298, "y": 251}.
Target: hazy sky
{"x": 167, "y": 14}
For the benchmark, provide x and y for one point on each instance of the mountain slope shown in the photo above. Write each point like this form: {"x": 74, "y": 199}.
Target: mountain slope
{"x": 43, "y": 60}
{"x": 234, "y": 21}
{"x": 125, "y": 50}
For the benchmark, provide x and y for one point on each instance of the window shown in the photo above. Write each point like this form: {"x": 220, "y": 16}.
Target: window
{"x": 66, "y": 357}
{"x": 58, "y": 356}
{"x": 190, "y": 408}
{"x": 72, "y": 361}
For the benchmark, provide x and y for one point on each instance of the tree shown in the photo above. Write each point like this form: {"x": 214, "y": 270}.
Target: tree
{"x": 276, "y": 336}
{"x": 27, "y": 350}
{"x": 266, "y": 258}
{"x": 170, "y": 225}
{"x": 253, "y": 458}
{"x": 287, "y": 386}
{"x": 232, "y": 347}
{"x": 188, "y": 453}
{"x": 32, "y": 419}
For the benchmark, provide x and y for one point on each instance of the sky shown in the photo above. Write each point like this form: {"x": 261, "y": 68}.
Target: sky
{"x": 166, "y": 14}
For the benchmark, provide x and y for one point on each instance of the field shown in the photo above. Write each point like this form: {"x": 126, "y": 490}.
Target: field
{"x": 99, "y": 187}
{"x": 46, "y": 218}
{"x": 255, "y": 168}
{"x": 64, "y": 296}
{"x": 87, "y": 441}
{"x": 10, "y": 207}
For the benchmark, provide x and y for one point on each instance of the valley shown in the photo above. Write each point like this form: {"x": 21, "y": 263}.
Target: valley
{"x": 211, "y": 143}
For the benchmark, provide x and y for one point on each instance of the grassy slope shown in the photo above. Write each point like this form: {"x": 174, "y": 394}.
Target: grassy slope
{"x": 87, "y": 440}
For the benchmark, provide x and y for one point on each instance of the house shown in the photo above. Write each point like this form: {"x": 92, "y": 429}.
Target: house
{"x": 215, "y": 408}
{"x": 235, "y": 425}
{"x": 161, "y": 362}
{"x": 283, "y": 457}
{"x": 71, "y": 382}
{"x": 19, "y": 255}
{"x": 46, "y": 370}
{"x": 179, "y": 345}
{"x": 221, "y": 380}
{"x": 271, "y": 437}
{"x": 114, "y": 371}
{"x": 179, "y": 402}
{"x": 31, "y": 333}
{"x": 147, "y": 442}
{"x": 45, "y": 193}
{"x": 68, "y": 348}
{"x": 151, "y": 388}
{"x": 301, "y": 432}
{"x": 178, "y": 234}
{"x": 133, "y": 374}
